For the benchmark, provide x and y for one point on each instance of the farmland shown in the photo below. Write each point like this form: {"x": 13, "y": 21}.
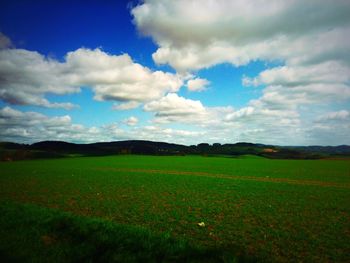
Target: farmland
{"x": 269, "y": 210}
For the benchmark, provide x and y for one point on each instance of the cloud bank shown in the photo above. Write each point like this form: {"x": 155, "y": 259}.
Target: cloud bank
{"x": 29, "y": 127}
{"x": 198, "y": 34}
{"x": 27, "y": 76}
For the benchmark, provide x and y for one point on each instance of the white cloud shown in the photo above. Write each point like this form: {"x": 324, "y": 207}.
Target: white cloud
{"x": 257, "y": 126}
{"x": 29, "y": 127}
{"x": 198, "y": 34}
{"x": 292, "y": 86}
{"x": 180, "y": 136}
{"x": 197, "y": 84}
{"x": 9, "y": 113}
{"x": 32, "y": 126}
{"x": 330, "y": 72}
{"x": 118, "y": 78}
{"x": 254, "y": 123}
{"x": 240, "y": 113}
{"x": 342, "y": 115}
{"x": 26, "y": 77}
{"x": 173, "y": 108}
{"x": 259, "y": 117}
{"x": 131, "y": 121}
{"x": 224, "y": 124}
{"x": 210, "y": 121}
{"x": 126, "y": 105}
{"x": 309, "y": 39}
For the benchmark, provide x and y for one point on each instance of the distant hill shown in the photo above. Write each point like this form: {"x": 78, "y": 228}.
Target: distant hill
{"x": 56, "y": 149}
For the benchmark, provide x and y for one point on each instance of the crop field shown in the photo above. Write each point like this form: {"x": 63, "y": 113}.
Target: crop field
{"x": 267, "y": 210}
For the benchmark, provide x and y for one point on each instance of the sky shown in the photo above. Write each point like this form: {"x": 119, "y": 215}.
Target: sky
{"x": 182, "y": 71}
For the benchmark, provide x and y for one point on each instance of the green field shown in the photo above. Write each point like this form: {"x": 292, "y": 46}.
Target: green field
{"x": 255, "y": 208}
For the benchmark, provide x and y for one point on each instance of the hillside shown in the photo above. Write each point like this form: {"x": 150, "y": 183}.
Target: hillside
{"x": 55, "y": 149}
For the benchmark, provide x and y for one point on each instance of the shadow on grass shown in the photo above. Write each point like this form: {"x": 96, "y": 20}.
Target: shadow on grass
{"x": 30, "y": 233}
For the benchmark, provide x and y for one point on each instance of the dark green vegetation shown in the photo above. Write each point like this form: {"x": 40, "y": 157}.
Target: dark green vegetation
{"x": 33, "y": 234}
{"x": 272, "y": 210}
{"x": 56, "y": 149}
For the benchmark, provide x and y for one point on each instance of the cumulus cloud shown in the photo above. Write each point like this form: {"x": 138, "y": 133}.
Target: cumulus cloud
{"x": 172, "y": 104}
{"x": 29, "y": 127}
{"x": 181, "y": 136}
{"x": 198, "y": 34}
{"x": 243, "y": 125}
{"x": 173, "y": 108}
{"x": 26, "y": 77}
{"x": 118, "y": 78}
{"x": 131, "y": 121}
{"x": 197, "y": 84}
{"x": 256, "y": 122}
{"x": 222, "y": 120}
{"x": 240, "y": 113}
{"x": 325, "y": 81}
{"x": 126, "y": 105}
{"x": 330, "y": 72}
{"x": 308, "y": 39}
{"x": 33, "y": 126}
{"x": 290, "y": 88}
{"x": 210, "y": 122}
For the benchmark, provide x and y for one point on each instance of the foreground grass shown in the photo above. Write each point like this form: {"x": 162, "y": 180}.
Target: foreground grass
{"x": 279, "y": 210}
{"x": 34, "y": 234}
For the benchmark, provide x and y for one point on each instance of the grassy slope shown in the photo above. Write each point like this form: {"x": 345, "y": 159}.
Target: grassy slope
{"x": 274, "y": 220}
{"x": 33, "y": 234}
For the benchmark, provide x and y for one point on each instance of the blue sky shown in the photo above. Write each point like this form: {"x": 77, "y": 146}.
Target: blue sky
{"x": 175, "y": 71}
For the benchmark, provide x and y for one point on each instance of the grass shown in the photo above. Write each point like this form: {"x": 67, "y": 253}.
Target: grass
{"x": 46, "y": 235}
{"x": 274, "y": 210}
